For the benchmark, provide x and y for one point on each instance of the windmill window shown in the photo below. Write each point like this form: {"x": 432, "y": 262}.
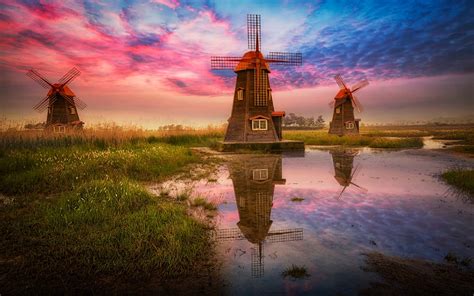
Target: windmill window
{"x": 59, "y": 129}
{"x": 338, "y": 110}
{"x": 260, "y": 174}
{"x": 240, "y": 94}
{"x": 259, "y": 125}
{"x": 72, "y": 110}
{"x": 349, "y": 125}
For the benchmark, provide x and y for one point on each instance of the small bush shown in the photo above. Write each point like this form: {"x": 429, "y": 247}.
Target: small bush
{"x": 295, "y": 272}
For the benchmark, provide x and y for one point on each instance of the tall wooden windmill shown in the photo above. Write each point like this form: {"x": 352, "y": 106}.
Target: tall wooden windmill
{"x": 253, "y": 117}
{"x": 343, "y": 119}
{"x": 61, "y": 102}
{"x": 254, "y": 179}
{"x": 344, "y": 171}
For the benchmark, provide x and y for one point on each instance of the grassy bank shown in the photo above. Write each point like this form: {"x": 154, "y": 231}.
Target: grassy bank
{"x": 463, "y": 180}
{"x": 82, "y": 219}
{"x": 323, "y": 138}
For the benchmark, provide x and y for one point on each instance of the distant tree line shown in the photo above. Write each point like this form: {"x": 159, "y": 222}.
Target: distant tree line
{"x": 293, "y": 121}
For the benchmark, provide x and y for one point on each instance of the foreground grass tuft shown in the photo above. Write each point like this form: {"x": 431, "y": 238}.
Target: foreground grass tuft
{"x": 123, "y": 229}
{"x": 295, "y": 272}
{"x": 203, "y": 203}
{"x": 462, "y": 179}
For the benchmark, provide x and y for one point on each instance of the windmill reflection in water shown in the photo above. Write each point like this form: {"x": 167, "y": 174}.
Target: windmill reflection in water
{"x": 254, "y": 179}
{"x": 344, "y": 170}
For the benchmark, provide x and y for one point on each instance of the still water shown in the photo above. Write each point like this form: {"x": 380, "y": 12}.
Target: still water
{"x": 348, "y": 202}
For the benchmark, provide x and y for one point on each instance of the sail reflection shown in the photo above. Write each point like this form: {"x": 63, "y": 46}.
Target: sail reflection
{"x": 344, "y": 170}
{"x": 254, "y": 179}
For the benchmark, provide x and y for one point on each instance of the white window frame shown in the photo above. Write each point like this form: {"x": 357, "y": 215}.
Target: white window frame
{"x": 72, "y": 110}
{"x": 260, "y": 174}
{"x": 338, "y": 110}
{"x": 259, "y": 124}
{"x": 350, "y": 125}
{"x": 240, "y": 94}
{"x": 59, "y": 129}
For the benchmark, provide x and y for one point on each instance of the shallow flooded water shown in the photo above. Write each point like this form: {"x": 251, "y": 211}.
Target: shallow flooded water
{"x": 324, "y": 210}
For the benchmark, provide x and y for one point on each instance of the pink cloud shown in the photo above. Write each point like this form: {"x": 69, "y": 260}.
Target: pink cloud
{"x": 170, "y": 3}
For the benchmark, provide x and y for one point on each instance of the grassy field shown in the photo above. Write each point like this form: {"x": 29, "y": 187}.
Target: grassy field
{"x": 82, "y": 219}
{"x": 392, "y": 137}
{"x": 321, "y": 137}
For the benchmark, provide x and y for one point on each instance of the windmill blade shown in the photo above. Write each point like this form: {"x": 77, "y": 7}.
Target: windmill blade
{"x": 356, "y": 103}
{"x": 332, "y": 104}
{"x": 356, "y": 171}
{"x": 342, "y": 191}
{"x": 69, "y": 76}
{"x": 254, "y": 32}
{"x": 33, "y": 74}
{"x": 224, "y": 63}
{"x": 359, "y": 85}
{"x": 365, "y": 190}
{"x": 284, "y": 235}
{"x": 229, "y": 234}
{"x": 340, "y": 82}
{"x": 285, "y": 58}
{"x": 45, "y": 103}
{"x": 79, "y": 103}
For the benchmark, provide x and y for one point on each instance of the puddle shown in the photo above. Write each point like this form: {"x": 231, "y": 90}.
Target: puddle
{"x": 323, "y": 210}
{"x": 430, "y": 143}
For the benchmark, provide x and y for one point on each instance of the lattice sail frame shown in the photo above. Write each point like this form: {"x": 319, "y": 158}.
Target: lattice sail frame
{"x": 49, "y": 100}
{"x": 254, "y": 32}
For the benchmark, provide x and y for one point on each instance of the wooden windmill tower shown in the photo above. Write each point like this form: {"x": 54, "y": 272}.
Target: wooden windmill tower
{"x": 254, "y": 180}
{"x": 344, "y": 171}
{"x": 61, "y": 102}
{"x": 343, "y": 120}
{"x": 253, "y": 117}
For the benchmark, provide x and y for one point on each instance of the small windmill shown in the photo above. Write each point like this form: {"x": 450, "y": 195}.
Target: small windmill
{"x": 344, "y": 171}
{"x": 253, "y": 117}
{"x": 343, "y": 119}
{"x": 60, "y": 101}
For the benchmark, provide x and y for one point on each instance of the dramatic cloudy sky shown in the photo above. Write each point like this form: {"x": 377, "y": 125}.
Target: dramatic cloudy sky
{"x": 148, "y": 62}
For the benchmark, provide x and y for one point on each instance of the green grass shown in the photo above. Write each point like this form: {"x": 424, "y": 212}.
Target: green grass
{"x": 295, "y": 272}
{"x": 396, "y": 143}
{"x": 325, "y": 139}
{"x": 83, "y": 218}
{"x": 462, "y": 179}
{"x": 123, "y": 230}
{"x": 51, "y": 170}
{"x": 203, "y": 203}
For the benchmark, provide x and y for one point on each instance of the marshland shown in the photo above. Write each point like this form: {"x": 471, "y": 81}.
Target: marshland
{"x": 140, "y": 210}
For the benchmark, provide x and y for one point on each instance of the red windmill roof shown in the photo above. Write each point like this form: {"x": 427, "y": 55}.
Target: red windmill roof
{"x": 341, "y": 94}
{"x": 64, "y": 90}
{"x": 249, "y": 61}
